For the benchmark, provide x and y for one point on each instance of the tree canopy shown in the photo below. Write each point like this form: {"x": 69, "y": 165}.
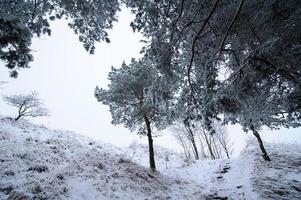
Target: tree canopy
{"x": 133, "y": 95}
{"x": 22, "y": 20}
{"x": 236, "y": 59}
{"x": 254, "y": 45}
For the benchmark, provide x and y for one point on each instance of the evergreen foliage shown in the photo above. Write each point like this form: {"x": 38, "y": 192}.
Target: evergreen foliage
{"x": 22, "y": 20}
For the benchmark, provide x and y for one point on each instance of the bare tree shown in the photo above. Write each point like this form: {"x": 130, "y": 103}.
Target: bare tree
{"x": 212, "y": 145}
{"x": 191, "y": 137}
{"x": 179, "y": 132}
{"x": 223, "y": 139}
{"x": 218, "y": 143}
{"x": 28, "y": 105}
{"x": 206, "y": 141}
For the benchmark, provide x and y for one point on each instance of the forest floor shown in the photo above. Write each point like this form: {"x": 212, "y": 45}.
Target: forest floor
{"x": 39, "y": 163}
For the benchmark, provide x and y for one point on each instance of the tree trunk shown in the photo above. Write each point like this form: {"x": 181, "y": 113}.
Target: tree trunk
{"x": 215, "y": 148}
{"x": 223, "y": 143}
{"x": 227, "y": 153}
{"x": 202, "y": 147}
{"x": 17, "y": 118}
{"x": 186, "y": 150}
{"x": 209, "y": 145}
{"x": 20, "y": 111}
{"x": 150, "y": 144}
{"x": 196, "y": 153}
{"x": 264, "y": 153}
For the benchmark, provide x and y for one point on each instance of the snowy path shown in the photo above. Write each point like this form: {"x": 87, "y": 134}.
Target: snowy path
{"x": 236, "y": 180}
{"x": 219, "y": 178}
{"x": 247, "y": 177}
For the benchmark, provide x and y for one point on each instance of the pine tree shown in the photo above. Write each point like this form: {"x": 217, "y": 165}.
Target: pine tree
{"x": 131, "y": 96}
{"x": 240, "y": 59}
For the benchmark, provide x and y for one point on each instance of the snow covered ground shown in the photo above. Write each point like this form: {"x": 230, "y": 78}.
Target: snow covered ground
{"x": 38, "y": 163}
{"x": 245, "y": 177}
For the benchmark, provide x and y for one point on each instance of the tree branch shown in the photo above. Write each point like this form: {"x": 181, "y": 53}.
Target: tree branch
{"x": 231, "y": 24}
{"x": 194, "y": 43}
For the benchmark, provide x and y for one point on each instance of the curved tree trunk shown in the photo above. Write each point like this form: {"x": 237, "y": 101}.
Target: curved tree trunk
{"x": 17, "y": 118}
{"x": 150, "y": 144}
{"x": 264, "y": 153}
{"x": 20, "y": 112}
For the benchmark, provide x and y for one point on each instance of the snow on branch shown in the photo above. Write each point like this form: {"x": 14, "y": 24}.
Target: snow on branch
{"x": 28, "y": 105}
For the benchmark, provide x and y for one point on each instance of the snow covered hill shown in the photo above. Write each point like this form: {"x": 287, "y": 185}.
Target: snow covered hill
{"x": 38, "y": 163}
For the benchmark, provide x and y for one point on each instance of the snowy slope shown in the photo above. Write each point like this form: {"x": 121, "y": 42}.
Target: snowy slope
{"x": 280, "y": 178}
{"x": 38, "y": 163}
{"x": 246, "y": 177}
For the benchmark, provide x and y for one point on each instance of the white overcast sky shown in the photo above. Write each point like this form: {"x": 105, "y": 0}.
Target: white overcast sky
{"x": 65, "y": 76}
